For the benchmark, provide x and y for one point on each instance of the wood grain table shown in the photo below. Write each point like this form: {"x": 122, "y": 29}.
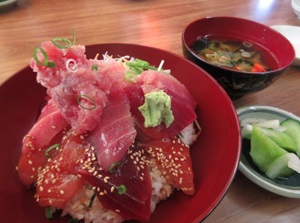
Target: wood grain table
{"x": 159, "y": 23}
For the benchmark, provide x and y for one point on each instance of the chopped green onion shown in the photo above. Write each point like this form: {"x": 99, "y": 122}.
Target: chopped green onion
{"x": 63, "y": 43}
{"x": 129, "y": 76}
{"x": 49, "y": 153}
{"x": 88, "y": 98}
{"x": 94, "y": 67}
{"x": 92, "y": 200}
{"x": 114, "y": 166}
{"x": 46, "y": 58}
{"x": 89, "y": 187}
{"x": 73, "y": 220}
{"x": 121, "y": 189}
{"x": 137, "y": 66}
{"x": 49, "y": 213}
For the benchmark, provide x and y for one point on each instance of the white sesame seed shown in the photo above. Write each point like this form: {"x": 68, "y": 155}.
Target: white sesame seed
{"x": 180, "y": 180}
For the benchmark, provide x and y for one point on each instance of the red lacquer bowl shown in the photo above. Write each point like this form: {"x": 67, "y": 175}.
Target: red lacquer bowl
{"x": 238, "y": 83}
{"x": 215, "y": 155}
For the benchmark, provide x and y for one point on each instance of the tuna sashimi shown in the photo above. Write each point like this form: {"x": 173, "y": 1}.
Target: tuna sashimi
{"x": 127, "y": 188}
{"x": 183, "y": 105}
{"x": 59, "y": 191}
{"x": 78, "y": 86}
{"x": 30, "y": 164}
{"x": 47, "y": 131}
{"x": 48, "y": 125}
{"x": 58, "y": 181}
{"x": 116, "y": 132}
{"x": 173, "y": 157}
{"x": 152, "y": 80}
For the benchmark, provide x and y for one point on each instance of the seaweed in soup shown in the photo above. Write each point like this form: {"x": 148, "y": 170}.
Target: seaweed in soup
{"x": 233, "y": 54}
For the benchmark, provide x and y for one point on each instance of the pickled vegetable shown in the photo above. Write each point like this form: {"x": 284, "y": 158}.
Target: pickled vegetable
{"x": 293, "y": 130}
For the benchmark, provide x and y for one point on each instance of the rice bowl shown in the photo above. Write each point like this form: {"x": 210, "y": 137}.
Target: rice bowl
{"x": 205, "y": 175}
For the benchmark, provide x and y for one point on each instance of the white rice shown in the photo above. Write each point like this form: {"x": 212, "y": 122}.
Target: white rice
{"x": 79, "y": 208}
{"x": 190, "y": 134}
{"x": 161, "y": 189}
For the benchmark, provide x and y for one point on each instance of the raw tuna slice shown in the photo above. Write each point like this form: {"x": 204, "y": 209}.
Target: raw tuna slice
{"x": 182, "y": 105}
{"x": 78, "y": 86}
{"x": 48, "y": 125}
{"x": 126, "y": 189}
{"x": 30, "y": 164}
{"x": 152, "y": 80}
{"x": 115, "y": 132}
{"x": 47, "y": 131}
{"x": 58, "y": 181}
{"x": 173, "y": 157}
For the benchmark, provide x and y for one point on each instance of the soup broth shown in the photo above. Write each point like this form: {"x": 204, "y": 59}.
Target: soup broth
{"x": 234, "y": 54}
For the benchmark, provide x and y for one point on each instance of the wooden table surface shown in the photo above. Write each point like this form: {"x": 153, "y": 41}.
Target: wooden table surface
{"x": 159, "y": 23}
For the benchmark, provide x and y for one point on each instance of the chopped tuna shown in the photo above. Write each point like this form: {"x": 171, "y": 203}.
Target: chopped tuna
{"x": 78, "y": 86}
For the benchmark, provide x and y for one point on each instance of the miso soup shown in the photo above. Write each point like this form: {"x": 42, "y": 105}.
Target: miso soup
{"x": 234, "y": 54}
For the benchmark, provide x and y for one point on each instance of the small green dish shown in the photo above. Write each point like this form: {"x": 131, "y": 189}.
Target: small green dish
{"x": 288, "y": 187}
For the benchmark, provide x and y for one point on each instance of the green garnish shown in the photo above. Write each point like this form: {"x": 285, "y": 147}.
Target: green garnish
{"x": 92, "y": 200}
{"x": 82, "y": 97}
{"x": 121, "y": 189}
{"x": 114, "y": 166}
{"x": 73, "y": 220}
{"x": 46, "y": 62}
{"x": 89, "y": 187}
{"x": 95, "y": 67}
{"x": 136, "y": 67}
{"x": 63, "y": 43}
{"x": 49, "y": 153}
{"x": 140, "y": 65}
{"x": 49, "y": 213}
